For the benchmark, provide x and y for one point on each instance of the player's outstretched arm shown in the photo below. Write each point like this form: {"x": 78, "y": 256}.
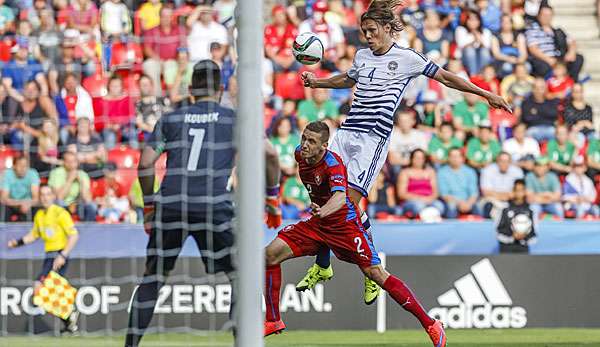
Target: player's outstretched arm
{"x": 337, "y": 201}
{"x": 451, "y": 80}
{"x": 341, "y": 81}
{"x": 146, "y": 170}
{"x": 27, "y": 239}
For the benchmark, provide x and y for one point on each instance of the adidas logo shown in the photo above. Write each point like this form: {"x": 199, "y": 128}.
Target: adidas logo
{"x": 479, "y": 300}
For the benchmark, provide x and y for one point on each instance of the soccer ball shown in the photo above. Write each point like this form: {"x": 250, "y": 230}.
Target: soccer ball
{"x": 307, "y": 48}
{"x": 521, "y": 224}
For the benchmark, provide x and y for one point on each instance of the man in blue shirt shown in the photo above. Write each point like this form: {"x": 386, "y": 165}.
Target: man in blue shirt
{"x": 490, "y": 15}
{"x": 20, "y": 191}
{"x": 458, "y": 186}
{"x": 15, "y": 74}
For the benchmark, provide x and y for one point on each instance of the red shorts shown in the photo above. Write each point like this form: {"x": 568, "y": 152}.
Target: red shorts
{"x": 349, "y": 242}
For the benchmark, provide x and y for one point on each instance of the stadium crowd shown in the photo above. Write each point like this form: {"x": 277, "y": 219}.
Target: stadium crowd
{"x": 84, "y": 82}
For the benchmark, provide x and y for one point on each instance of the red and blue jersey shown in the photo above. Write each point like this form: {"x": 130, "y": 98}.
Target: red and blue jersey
{"x": 325, "y": 178}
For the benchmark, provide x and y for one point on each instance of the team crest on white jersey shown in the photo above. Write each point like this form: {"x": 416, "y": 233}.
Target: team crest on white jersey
{"x": 392, "y": 65}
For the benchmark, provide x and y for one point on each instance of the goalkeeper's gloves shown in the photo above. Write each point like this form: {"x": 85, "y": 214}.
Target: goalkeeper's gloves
{"x": 273, "y": 218}
{"x": 148, "y": 218}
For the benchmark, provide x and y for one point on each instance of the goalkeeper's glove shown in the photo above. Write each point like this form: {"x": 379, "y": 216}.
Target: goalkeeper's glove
{"x": 148, "y": 218}
{"x": 273, "y": 218}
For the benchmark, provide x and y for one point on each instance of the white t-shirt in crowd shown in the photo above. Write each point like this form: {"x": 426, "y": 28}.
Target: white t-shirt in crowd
{"x": 518, "y": 151}
{"x": 406, "y": 143}
{"x": 200, "y": 38}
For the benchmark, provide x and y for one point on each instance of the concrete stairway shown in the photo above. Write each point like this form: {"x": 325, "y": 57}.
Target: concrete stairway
{"x": 578, "y": 19}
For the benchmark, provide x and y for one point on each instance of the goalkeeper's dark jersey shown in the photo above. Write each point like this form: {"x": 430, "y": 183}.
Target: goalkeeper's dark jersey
{"x": 198, "y": 140}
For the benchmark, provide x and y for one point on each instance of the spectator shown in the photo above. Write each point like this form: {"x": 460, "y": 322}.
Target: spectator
{"x": 218, "y": 54}
{"x": 560, "y": 84}
{"x": 517, "y": 86}
{"x": 382, "y": 197}
{"x": 413, "y": 15}
{"x": 468, "y": 114}
{"x": 522, "y": 148}
{"x": 417, "y": 186}
{"x": 203, "y": 31}
{"x": 319, "y": 108}
{"x": 508, "y": 47}
{"x": 457, "y": 185}
{"x": 330, "y": 34}
{"x": 593, "y": 157}
{"x": 44, "y": 148}
{"x": 34, "y": 107}
{"x": 112, "y": 197}
{"x": 490, "y": 15}
{"x": 295, "y": 197}
{"x": 279, "y": 37}
{"x": 48, "y": 37}
{"x": 15, "y": 74}
{"x": 148, "y": 15}
{"x": 474, "y": 43}
{"x": 561, "y": 151}
{"x": 516, "y": 227}
{"x": 70, "y": 62}
{"x": 76, "y": 103}
{"x": 20, "y": 191}
{"x": 117, "y": 115}
{"x": 497, "y": 181}
{"x": 442, "y": 143}
{"x": 225, "y": 12}
{"x": 114, "y": 18}
{"x": 578, "y": 114}
{"x": 405, "y": 139}
{"x": 149, "y": 108}
{"x": 482, "y": 149}
{"x": 178, "y": 81}
{"x": 579, "y": 193}
{"x": 160, "y": 48}
{"x": 285, "y": 141}
{"x": 543, "y": 189}
{"x": 487, "y": 79}
{"x": 451, "y": 11}
{"x": 539, "y": 113}
{"x": 83, "y": 16}
{"x": 432, "y": 111}
{"x": 7, "y": 18}
{"x": 547, "y": 45}
{"x": 72, "y": 188}
{"x": 435, "y": 43}
{"x": 88, "y": 147}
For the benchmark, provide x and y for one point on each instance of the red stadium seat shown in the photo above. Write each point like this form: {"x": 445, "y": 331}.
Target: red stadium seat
{"x": 7, "y": 156}
{"x": 124, "y": 157}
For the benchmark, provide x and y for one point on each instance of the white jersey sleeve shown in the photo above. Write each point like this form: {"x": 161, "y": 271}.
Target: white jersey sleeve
{"x": 418, "y": 64}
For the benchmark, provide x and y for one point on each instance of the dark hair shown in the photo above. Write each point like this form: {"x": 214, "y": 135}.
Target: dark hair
{"x": 382, "y": 13}
{"x": 414, "y": 153}
{"x": 277, "y": 123}
{"x": 206, "y": 78}
{"x": 452, "y": 149}
{"x": 473, "y": 12}
{"x": 319, "y": 127}
{"x": 146, "y": 76}
{"x": 504, "y": 153}
{"x": 519, "y": 182}
{"x": 446, "y": 124}
{"x": 19, "y": 158}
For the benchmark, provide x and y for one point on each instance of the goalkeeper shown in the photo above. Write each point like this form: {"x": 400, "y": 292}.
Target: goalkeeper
{"x": 53, "y": 224}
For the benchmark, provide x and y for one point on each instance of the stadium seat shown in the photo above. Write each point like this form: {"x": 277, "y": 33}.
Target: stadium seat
{"x": 124, "y": 157}
{"x": 7, "y": 155}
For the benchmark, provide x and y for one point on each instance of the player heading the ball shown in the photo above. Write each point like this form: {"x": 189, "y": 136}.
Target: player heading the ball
{"x": 380, "y": 74}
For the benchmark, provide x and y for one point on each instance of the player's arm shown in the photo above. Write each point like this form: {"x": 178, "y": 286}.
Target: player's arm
{"x": 146, "y": 172}
{"x": 340, "y": 81}
{"x": 336, "y": 202}
{"x": 453, "y": 81}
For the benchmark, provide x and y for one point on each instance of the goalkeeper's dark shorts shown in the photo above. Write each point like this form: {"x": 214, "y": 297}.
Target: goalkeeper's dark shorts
{"x": 213, "y": 236}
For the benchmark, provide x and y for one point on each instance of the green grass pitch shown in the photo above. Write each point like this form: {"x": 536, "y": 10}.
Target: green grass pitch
{"x": 404, "y": 338}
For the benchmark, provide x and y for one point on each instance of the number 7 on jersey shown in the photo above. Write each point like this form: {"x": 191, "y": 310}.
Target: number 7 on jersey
{"x": 198, "y": 135}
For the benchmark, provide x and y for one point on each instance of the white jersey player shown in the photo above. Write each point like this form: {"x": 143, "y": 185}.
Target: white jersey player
{"x": 380, "y": 74}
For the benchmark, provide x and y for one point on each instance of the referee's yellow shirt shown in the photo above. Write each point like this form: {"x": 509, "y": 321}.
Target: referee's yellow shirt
{"x": 53, "y": 225}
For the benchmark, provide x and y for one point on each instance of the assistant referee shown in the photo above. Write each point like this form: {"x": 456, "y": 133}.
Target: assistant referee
{"x": 54, "y": 225}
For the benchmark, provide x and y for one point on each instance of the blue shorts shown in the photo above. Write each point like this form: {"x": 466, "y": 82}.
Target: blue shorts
{"x": 47, "y": 266}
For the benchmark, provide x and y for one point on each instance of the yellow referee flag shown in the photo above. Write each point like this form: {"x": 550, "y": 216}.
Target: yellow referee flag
{"x": 56, "y": 296}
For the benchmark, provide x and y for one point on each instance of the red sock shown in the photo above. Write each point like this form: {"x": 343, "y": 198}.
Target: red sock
{"x": 403, "y": 296}
{"x": 272, "y": 287}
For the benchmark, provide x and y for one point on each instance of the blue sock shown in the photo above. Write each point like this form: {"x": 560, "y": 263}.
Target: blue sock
{"x": 324, "y": 258}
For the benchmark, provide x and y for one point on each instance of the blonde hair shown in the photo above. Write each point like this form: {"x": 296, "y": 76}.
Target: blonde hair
{"x": 382, "y": 13}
